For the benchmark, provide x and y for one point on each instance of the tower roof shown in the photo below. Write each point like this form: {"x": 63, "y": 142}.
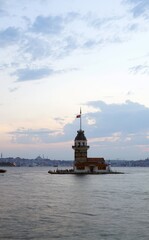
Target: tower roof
{"x": 80, "y": 135}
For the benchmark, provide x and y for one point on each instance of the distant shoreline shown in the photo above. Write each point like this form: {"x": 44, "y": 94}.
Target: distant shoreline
{"x": 42, "y": 162}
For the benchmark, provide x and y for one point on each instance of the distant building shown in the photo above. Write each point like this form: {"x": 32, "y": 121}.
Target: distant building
{"x": 83, "y": 164}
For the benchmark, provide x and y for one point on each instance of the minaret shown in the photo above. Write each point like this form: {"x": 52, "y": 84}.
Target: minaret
{"x": 80, "y": 146}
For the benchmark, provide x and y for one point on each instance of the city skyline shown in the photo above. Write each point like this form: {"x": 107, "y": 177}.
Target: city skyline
{"x": 58, "y": 56}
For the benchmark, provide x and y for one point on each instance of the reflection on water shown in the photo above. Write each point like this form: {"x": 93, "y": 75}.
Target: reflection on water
{"x": 37, "y": 205}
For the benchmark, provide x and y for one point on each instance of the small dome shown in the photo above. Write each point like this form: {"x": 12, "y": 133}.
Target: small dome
{"x": 80, "y": 136}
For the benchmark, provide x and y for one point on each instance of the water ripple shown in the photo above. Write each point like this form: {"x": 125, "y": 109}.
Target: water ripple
{"x": 35, "y": 205}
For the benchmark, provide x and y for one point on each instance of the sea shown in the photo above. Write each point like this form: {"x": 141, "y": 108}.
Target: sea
{"x": 37, "y": 205}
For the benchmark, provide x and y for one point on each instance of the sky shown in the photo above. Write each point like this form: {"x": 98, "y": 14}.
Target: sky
{"x": 57, "y": 56}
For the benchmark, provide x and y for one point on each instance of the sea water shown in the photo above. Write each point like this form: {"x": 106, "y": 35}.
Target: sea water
{"x": 38, "y": 205}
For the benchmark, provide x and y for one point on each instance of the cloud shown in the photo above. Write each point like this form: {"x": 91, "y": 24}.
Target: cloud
{"x": 23, "y": 131}
{"x": 9, "y": 36}
{"x": 13, "y": 89}
{"x": 90, "y": 43}
{"x": 36, "y": 48}
{"x": 59, "y": 120}
{"x": 129, "y": 93}
{"x": 28, "y": 74}
{"x": 31, "y": 136}
{"x": 55, "y": 37}
{"x": 108, "y": 29}
{"x": 33, "y": 74}
{"x": 103, "y": 22}
{"x": 2, "y": 12}
{"x": 66, "y": 47}
{"x": 48, "y": 25}
{"x": 53, "y": 25}
{"x": 133, "y": 27}
{"x": 123, "y": 119}
{"x": 115, "y": 129}
{"x": 128, "y": 117}
{"x": 71, "y": 16}
{"x": 119, "y": 129}
{"x": 142, "y": 69}
{"x": 139, "y": 7}
{"x": 61, "y": 43}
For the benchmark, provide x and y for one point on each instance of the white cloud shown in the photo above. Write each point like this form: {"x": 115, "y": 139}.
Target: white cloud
{"x": 115, "y": 125}
{"x": 142, "y": 69}
{"x": 28, "y": 74}
{"x": 48, "y": 25}
{"x": 9, "y": 36}
{"x": 139, "y": 7}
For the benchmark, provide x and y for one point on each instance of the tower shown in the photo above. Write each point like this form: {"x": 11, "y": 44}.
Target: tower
{"x": 83, "y": 164}
{"x": 80, "y": 148}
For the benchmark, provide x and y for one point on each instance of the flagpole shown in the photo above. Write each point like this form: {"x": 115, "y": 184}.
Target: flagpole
{"x": 80, "y": 119}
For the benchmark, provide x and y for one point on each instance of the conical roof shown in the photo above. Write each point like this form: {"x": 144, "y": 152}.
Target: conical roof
{"x": 80, "y": 136}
